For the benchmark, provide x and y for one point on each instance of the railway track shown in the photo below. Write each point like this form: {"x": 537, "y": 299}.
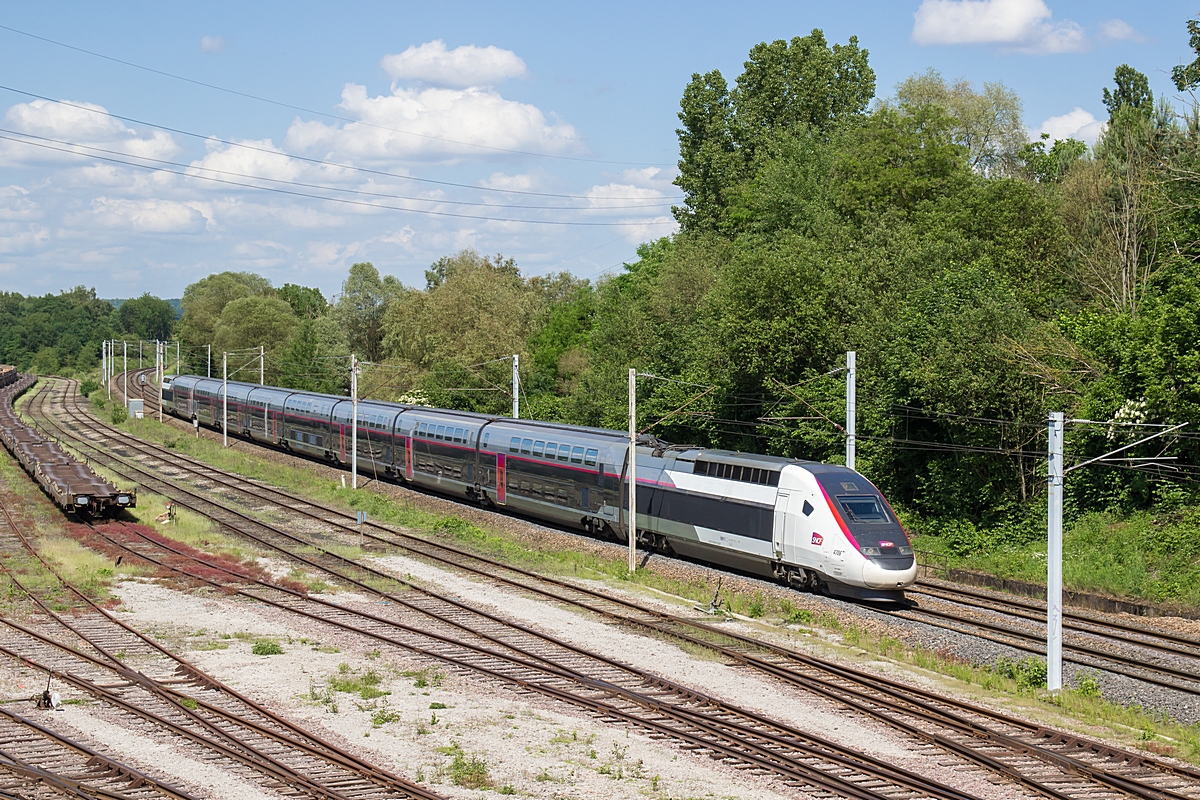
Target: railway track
{"x": 1028, "y": 754}
{"x": 1141, "y": 652}
{"x": 158, "y": 691}
{"x": 466, "y": 638}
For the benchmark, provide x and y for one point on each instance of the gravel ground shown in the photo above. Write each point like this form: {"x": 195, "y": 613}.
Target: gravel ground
{"x": 540, "y": 748}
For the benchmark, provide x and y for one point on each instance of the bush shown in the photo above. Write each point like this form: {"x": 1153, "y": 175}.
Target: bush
{"x": 266, "y": 648}
{"x": 118, "y": 414}
{"x": 1029, "y": 672}
{"x": 88, "y": 386}
{"x": 469, "y": 772}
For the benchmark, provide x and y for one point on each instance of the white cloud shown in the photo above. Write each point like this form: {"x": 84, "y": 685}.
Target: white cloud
{"x": 148, "y": 216}
{"x": 1023, "y": 25}
{"x": 500, "y": 180}
{"x": 1118, "y": 30}
{"x": 78, "y": 124}
{"x": 435, "y": 123}
{"x": 22, "y": 238}
{"x": 15, "y": 205}
{"x": 328, "y": 255}
{"x": 1075, "y": 124}
{"x": 212, "y": 44}
{"x": 461, "y": 67}
{"x": 621, "y": 196}
{"x": 401, "y": 237}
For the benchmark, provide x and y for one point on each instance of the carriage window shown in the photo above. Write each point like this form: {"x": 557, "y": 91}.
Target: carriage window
{"x": 459, "y": 436}
{"x": 515, "y": 445}
{"x": 526, "y": 445}
{"x": 421, "y": 429}
{"x": 577, "y": 457}
{"x": 551, "y": 450}
{"x": 485, "y": 438}
{"x": 538, "y": 447}
{"x": 590, "y": 457}
{"x": 564, "y": 452}
{"x": 441, "y": 432}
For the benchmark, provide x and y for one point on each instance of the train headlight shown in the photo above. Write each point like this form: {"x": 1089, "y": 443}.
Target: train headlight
{"x": 81, "y": 500}
{"x": 869, "y": 551}
{"x": 905, "y": 551}
{"x": 122, "y": 499}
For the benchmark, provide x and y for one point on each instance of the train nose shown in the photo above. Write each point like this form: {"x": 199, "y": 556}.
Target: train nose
{"x": 877, "y": 577}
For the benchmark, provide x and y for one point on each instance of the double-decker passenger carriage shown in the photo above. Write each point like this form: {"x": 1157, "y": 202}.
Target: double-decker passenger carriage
{"x": 814, "y": 526}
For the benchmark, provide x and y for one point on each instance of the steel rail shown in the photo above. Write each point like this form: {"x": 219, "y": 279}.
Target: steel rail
{"x": 411, "y": 540}
{"x": 904, "y": 700}
{"x": 1173, "y": 643}
{"x": 756, "y": 754}
{"x": 724, "y": 730}
{"x": 295, "y": 738}
{"x": 218, "y": 739}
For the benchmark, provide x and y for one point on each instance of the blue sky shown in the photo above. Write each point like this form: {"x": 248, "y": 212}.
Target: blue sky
{"x": 566, "y": 109}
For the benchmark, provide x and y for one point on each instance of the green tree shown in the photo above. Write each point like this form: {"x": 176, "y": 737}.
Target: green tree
{"x": 902, "y": 157}
{"x": 361, "y": 306}
{"x": 252, "y": 322}
{"x": 58, "y": 333}
{"x": 317, "y": 358}
{"x": 709, "y": 160}
{"x": 1187, "y": 76}
{"x": 1036, "y": 163}
{"x": 1132, "y": 93}
{"x": 205, "y": 300}
{"x": 988, "y": 123}
{"x": 804, "y": 83}
{"x": 147, "y": 317}
{"x": 794, "y": 88}
{"x": 306, "y": 302}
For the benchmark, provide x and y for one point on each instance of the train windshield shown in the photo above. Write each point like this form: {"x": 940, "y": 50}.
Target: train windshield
{"x": 864, "y": 508}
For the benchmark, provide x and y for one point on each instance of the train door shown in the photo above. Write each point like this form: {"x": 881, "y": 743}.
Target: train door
{"x": 501, "y": 478}
{"x": 408, "y": 457}
{"x": 780, "y": 531}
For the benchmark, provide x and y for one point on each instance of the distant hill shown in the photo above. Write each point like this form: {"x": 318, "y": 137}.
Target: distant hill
{"x": 177, "y": 303}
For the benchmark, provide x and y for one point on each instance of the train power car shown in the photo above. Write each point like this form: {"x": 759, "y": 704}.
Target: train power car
{"x": 813, "y": 526}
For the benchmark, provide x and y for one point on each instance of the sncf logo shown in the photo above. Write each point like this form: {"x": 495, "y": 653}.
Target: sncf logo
{"x": 818, "y": 539}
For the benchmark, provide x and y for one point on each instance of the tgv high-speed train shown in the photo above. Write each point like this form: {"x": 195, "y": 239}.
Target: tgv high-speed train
{"x": 814, "y": 526}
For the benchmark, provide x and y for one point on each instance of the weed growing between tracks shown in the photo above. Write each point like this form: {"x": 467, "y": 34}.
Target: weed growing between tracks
{"x": 1095, "y": 715}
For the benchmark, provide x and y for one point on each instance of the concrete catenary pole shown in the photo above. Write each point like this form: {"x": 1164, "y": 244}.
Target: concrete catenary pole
{"x": 262, "y": 364}
{"x": 516, "y": 386}
{"x": 209, "y": 346}
{"x": 632, "y": 528}
{"x": 354, "y": 422}
{"x": 125, "y": 369}
{"x": 851, "y": 406}
{"x": 177, "y": 363}
{"x": 1054, "y": 608}
{"x": 161, "y": 373}
{"x": 139, "y": 353}
{"x": 224, "y": 399}
{"x": 111, "y": 366}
